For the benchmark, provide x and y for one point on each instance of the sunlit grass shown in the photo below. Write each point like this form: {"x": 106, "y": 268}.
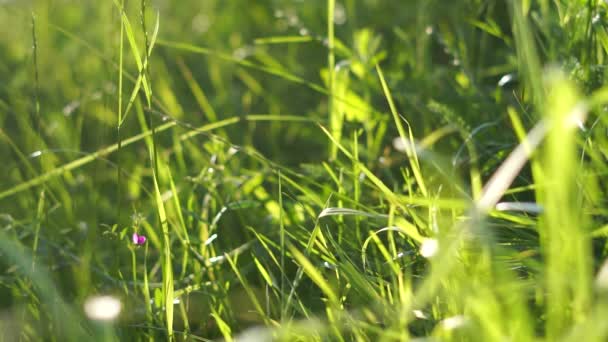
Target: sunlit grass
{"x": 331, "y": 170}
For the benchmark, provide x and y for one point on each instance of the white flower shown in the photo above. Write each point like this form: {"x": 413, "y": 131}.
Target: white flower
{"x": 429, "y": 248}
{"x": 102, "y": 308}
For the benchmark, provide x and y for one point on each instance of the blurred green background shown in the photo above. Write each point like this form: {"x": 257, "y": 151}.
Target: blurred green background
{"x": 240, "y": 92}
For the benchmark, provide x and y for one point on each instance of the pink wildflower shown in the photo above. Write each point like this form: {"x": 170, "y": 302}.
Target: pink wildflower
{"x": 139, "y": 239}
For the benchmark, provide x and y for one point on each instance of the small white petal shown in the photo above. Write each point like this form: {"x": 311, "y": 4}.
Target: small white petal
{"x": 429, "y": 248}
{"x": 328, "y": 265}
{"x": 505, "y": 79}
{"x": 102, "y": 308}
{"x": 400, "y": 145}
{"x": 232, "y": 150}
{"x": 454, "y": 322}
{"x": 419, "y": 314}
{"x": 216, "y": 259}
{"x": 210, "y": 239}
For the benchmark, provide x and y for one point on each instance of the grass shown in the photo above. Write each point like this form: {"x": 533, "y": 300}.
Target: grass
{"x": 331, "y": 170}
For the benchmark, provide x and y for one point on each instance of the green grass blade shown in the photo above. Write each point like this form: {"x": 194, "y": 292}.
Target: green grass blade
{"x": 564, "y": 237}
{"x": 314, "y": 275}
{"x": 408, "y": 140}
{"x": 79, "y": 162}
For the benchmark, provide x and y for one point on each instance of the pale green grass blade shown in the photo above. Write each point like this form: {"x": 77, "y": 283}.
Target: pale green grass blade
{"x": 79, "y": 162}
{"x": 182, "y": 222}
{"x": 197, "y": 91}
{"x": 314, "y": 275}
{"x": 279, "y": 73}
{"x": 334, "y": 116}
{"x": 284, "y": 74}
{"x": 283, "y": 40}
{"x": 250, "y": 293}
{"x": 112, "y": 148}
{"x": 263, "y": 272}
{"x": 400, "y": 201}
{"x": 223, "y": 326}
{"x": 348, "y": 211}
{"x": 564, "y": 237}
{"x": 133, "y": 44}
{"x": 39, "y": 218}
{"x": 166, "y": 257}
{"x": 510, "y": 168}
{"x": 168, "y": 290}
{"x": 143, "y": 67}
{"x": 304, "y": 190}
{"x": 120, "y": 67}
{"x": 598, "y": 232}
{"x": 527, "y": 54}
{"x": 119, "y": 121}
{"x": 408, "y": 140}
{"x": 282, "y": 249}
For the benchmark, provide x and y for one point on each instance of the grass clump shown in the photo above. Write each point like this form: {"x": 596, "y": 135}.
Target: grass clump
{"x": 275, "y": 170}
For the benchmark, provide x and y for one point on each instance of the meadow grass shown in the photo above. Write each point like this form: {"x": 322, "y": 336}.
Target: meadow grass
{"x": 301, "y": 171}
